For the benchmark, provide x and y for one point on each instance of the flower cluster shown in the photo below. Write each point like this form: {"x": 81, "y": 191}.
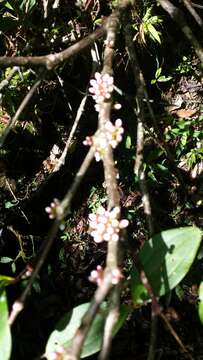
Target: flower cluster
{"x": 111, "y": 136}
{"x": 54, "y": 210}
{"x": 104, "y": 225}
{"x": 96, "y": 276}
{"x": 114, "y": 132}
{"x": 101, "y": 88}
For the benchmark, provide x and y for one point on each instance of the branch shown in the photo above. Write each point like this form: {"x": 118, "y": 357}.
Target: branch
{"x": 113, "y": 259}
{"x": 61, "y": 212}
{"x": 22, "y": 106}
{"x": 6, "y": 81}
{"x": 139, "y": 171}
{"x": 51, "y": 61}
{"x": 113, "y": 253}
{"x": 178, "y": 16}
{"x": 193, "y": 12}
{"x": 140, "y": 112}
{"x": 61, "y": 160}
{"x": 176, "y": 337}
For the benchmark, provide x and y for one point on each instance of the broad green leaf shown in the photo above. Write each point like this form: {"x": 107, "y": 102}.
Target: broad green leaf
{"x": 200, "y": 304}
{"x": 167, "y": 257}
{"x": 5, "y": 335}
{"x": 67, "y": 326}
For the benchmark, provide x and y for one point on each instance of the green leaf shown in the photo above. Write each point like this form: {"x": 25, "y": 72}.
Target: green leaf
{"x": 167, "y": 257}
{"x": 5, "y": 335}
{"x": 5, "y": 281}
{"x": 67, "y": 326}
{"x": 9, "y": 205}
{"x": 138, "y": 290}
{"x": 154, "y": 33}
{"x": 128, "y": 142}
{"x": 5, "y": 260}
{"x": 9, "y": 5}
{"x": 158, "y": 73}
{"x": 164, "y": 78}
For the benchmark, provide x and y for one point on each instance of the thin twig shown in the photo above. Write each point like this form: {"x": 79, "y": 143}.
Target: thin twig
{"x": 46, "y": 246}
{"x": 139, "y": 171}
{"x": 22, "y": 106}
{"x": 73, "y": 352}
{"x": 178, "y": 16}
{"x": 193, "y": 12}
{"x": 140, "y": 112}
{"x": 61, "y": 160}
{"x": 16, "y": 201}
{"x": 176, "y": 337}
{"x": 198, "y": 6}
{"x": 19, "y": 303}
{"x": 6, "y": 81}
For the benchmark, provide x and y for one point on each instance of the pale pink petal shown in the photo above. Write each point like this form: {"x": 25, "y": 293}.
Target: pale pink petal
{"x": 123, "y": 223}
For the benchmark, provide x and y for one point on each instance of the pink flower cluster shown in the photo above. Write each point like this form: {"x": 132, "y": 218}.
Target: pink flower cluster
{"x": 96, "y": 276}
{"x": 114, "y": 132}
{"x": 101, "y": 88}
{"x": 104, "y": 225}
{"x": 112, "y": 136}
{"x": 54, "y": 210}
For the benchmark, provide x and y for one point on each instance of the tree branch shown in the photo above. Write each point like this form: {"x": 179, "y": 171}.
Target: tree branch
{"x": 178, "y": 16}
{"x": 51, "y": 61}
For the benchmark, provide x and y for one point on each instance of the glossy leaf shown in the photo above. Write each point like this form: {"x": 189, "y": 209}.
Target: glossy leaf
{"x": 167, "y": 257}
{"x": 67, "y": 326}
{"x": 5, "y": 335}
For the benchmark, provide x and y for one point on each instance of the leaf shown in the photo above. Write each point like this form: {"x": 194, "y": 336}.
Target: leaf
{"x": 5, "y": 281}
{"x": 5, "y": 335}
{"x": 200, "y": 304}
{"x": 9, "y": 205}
{"x": 154, "y": 33}
{"x": 67, "y": 326}
{"x": 164, "y": 78}
{"x": 185, "y": 113}
{"x": 167, "y": 257}
{"x": 128, "y": 142}
{"x": 138, "y": 290}
{"x": 158, "y": 73}
{"x": 5, "y": 260}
